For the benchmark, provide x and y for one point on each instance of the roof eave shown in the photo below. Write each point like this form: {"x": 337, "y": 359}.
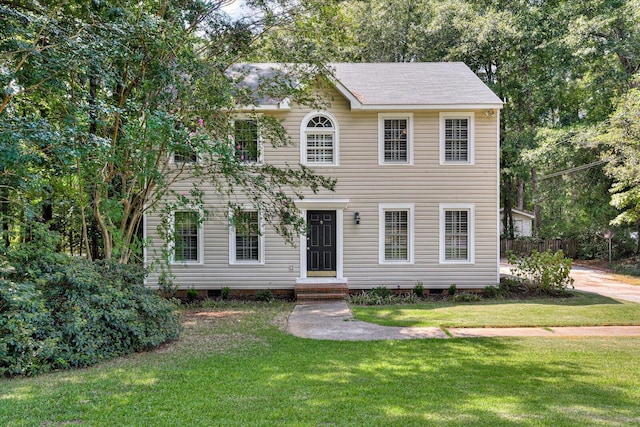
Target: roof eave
{"x": 284, "y": 105}
{"x": 426, "y": 107}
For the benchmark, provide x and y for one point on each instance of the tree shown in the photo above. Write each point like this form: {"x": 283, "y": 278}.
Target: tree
{"x": 622, "y": 139}
{"x": 115, "y": 88}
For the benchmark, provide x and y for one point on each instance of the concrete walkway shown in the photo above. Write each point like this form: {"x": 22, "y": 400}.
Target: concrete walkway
{"x": 334, "y": 321}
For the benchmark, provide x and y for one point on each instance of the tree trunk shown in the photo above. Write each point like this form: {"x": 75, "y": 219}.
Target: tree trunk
{"x": 536, "y": 206}
{"x": 520, "y": 197}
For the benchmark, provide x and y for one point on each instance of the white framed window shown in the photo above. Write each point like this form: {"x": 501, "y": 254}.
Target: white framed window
{"x": 396, "y": 233}
{"x": 184, "y": 156}
{"x": 246, "y": 137}
{"x": 457, "y": 133}
{"x": 319, "y": 139}
{"x": 186, "y": 237}
{"x": 246, "y": 238}
{"x": 395, "y": 138}
{"x": 457, "y": 233}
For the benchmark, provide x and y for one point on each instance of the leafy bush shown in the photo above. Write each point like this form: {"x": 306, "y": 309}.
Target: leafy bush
{"x": 381, "y": 292}
{"x": 265, "y": 295}
{"x": 381, "y": 296}
{"x": 224, "y": 292}
{"x": 77, "y": 313}
{"x": 542, "y": 272}
{"x": 452, "y": 290}
{"x": 419, "y": 289}
{"x": 466, "y": 297}
{"x": 492, "y": 291}
{"x": 192, "y": 294}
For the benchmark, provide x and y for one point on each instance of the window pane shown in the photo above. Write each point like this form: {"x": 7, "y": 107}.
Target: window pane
{"x": 396, "y": 235}
{"x": 246, "y": 140}
{"x": 319, "y": 135}
{"x": 319, "y": 122}
{"x": 456, "y": 232}
{"x": 186, "y": 236}
{"x": 247, "y": 238}
{"x": 184, "y": 155}
{"x": 456, "y": 139}
{"x": 395, "y": 140}
{"x": 320, "y": 148}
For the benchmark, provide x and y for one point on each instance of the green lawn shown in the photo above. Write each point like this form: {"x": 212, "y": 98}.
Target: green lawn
{"x": 238, "y": 367}
{"x": 581, "y": 310}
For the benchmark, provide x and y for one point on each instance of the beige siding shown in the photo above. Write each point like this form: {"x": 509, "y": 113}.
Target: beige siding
{"x": 366, "y": 184}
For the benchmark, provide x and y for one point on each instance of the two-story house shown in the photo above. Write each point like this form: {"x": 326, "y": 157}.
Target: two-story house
{"x": 415, "y": 151}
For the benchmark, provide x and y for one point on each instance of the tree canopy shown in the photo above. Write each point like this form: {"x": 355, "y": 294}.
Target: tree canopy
{"x": 97, "y": 95}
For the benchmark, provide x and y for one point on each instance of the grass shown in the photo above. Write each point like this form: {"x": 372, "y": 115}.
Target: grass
{"x": 580, "y": 310}
{"x": 236, "y": 366}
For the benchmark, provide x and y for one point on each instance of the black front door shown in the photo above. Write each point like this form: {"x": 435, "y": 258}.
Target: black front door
{"x": 321, "y": 244}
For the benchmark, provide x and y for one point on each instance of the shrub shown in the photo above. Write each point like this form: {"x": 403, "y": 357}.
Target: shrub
{"x": 192, "y": 295}
{"x": 410, "y": 298}
{"x": 542, "y": 272}
{"x": 452, "y": 290}
{"x": 419, "y": 289}
{"x": 78, "y": 313}
{"x": 492, "y": 291}
{"x": 28, "y": 338}
{"x": 381, "y": 292}
{"x": 466, "y": 297}
{"x": 224, "y": 292}
{"x": 265, "y": 295}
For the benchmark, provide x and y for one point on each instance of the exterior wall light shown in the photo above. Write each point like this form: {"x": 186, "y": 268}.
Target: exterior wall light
{"x": 356, "y": 217}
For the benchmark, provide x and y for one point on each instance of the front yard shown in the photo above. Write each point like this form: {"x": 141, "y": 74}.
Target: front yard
{"x": 580, "y": 310}
{"x": 234, "y": 365}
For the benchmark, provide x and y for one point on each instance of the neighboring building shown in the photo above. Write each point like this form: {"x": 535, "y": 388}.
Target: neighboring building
{"x": 414, "y": 147}
{"x": 522, "y": 222}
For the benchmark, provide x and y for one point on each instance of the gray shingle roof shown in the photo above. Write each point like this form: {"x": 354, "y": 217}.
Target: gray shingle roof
{"x": 414, "y": 83}
{"x": 384, "y": 85}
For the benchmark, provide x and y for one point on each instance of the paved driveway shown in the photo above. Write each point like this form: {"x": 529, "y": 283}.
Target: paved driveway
{"x": 595, "y": 281}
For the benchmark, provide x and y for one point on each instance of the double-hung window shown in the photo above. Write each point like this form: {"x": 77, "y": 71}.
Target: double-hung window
{"x": 457, "y": 233}
{"x": 319, "y": 139}
{"x": 187, "y": 237}
{"x": 457, "y": 138}
{"x": 246, "y": 238}
{"x": 396, "y": 233}
{"x": 247, "y": 140}
{"x": 395, "y": 138}
{"x": 184, "y": 155}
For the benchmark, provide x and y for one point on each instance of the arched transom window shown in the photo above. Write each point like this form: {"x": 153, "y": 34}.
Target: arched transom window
{"x": 319, "y": 140}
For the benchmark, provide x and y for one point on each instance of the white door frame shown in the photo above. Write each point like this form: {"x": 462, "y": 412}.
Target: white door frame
{"x": 339, "y": 205}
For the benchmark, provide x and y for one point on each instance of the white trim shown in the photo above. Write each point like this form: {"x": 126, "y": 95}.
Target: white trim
{"x": 425, "y": 107}
{"x": 171, "y": 243}
{"x": 322, "y": 205}
{"x": 283, "y": 105}
{"x": 232, "y": 241}
{"x": 353, "y": 100}
{"x": 381, "y": 118}
{"x": 498, "y": 231}
{"x": 338, "y": 205}
{"x": 469, "y": 115}
{"x": 382, "y": 208}
{"x": 303, "y": 138}
{"x": 145, "y": 260}
{"x": 471, "y": 241}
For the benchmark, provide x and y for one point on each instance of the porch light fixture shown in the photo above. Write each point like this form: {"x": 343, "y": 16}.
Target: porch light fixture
{"x": 356, "y": 217}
